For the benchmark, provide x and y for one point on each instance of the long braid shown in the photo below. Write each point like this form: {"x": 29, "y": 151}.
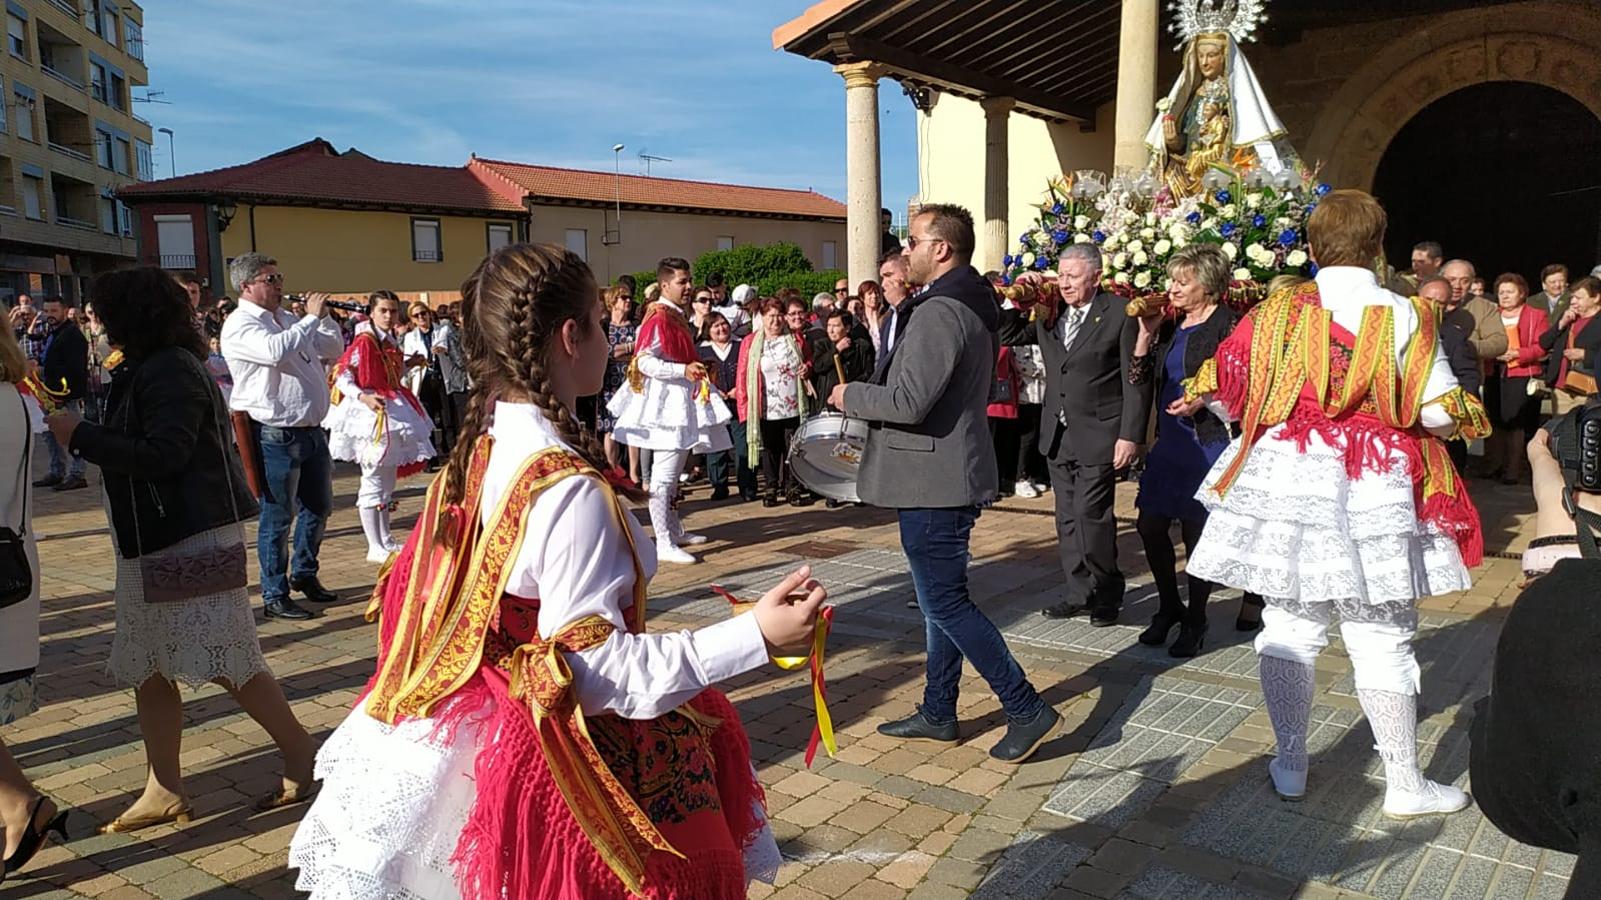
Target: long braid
{"x": 475, "y": 418}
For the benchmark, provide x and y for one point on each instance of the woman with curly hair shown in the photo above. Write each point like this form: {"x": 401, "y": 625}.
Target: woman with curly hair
{"x": 175, "y": 490}
{"x": 540, "y": 743}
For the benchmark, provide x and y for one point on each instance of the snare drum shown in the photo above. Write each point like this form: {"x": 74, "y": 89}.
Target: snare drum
{"x": 827, "y": 453}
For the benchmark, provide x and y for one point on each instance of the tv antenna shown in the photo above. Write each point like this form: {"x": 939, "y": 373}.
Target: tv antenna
{"x": 647, "y": 159}
{"x": 153, "y": 97}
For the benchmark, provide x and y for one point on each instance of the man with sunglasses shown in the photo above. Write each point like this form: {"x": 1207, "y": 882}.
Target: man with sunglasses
{"x": 279, "y": 365}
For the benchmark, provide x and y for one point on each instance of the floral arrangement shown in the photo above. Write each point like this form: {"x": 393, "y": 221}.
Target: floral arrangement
{"x": 1257, "y": 218}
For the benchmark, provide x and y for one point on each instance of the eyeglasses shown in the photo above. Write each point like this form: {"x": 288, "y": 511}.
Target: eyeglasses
{"x": 913, "y": 240}
{"x": 274, "y": 278}
{"x": 703, "y": 299}
{"x": 841, "y": 290}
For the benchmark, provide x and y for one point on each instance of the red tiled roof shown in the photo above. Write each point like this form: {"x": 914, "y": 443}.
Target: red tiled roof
{"x": 314, "y": 172}
{"x": 568, "y": 185}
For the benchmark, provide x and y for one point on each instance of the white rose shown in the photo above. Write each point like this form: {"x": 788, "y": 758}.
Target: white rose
{"x": 1257, "y": 252}
{"x": 1150, "y": 218}
{"x": 1082, "y": 238}
{"x": 1230, "y": 250}
{"x": 1113, "y": 241}
{"x": 1142, "y": 280}
{"x": 1162, "y": 247}
{"x": 1180, "y": 243}
{"x": 1148, "y": 233}
{"x": 1136, "y": 246}
{"x": 1081, "y": 223}
{"x": 1028, "y": 259}
{"x": 1120, "y": 261}
{"x": 1209, "y": 224}
{"x": 1178, "y": 232}
{"x": 1253, "y": 201}
{"x": 1140, "y": 258}
{"x": 1120, "y": 278}
{"x": 1242, "y": 274}
{"x": 1296, "y": 258}
{"x": 1229, "y": 211}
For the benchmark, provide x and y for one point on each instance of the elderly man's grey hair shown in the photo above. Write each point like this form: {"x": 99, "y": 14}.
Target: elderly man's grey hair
{"x": 246, "y": 267}
{"x": 1090, "y": 253}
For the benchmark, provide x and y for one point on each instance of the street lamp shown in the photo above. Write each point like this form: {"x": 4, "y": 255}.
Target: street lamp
{"x": 617, "y": 190}
{"x": 172, "y": 149}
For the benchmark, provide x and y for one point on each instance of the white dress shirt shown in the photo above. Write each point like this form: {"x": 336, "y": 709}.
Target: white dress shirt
{"x": 576, "y": 561}
{"x": 279, "y": 364}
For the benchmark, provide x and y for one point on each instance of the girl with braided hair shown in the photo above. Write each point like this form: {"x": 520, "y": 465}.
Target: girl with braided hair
{"x": 523, "y": 736}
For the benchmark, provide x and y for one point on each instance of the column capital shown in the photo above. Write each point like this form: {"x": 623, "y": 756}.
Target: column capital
{"x": 997, "y": 106}
{"x": 860, "y": 74}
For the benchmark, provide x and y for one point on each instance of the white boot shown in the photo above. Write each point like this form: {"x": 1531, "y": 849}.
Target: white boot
{"x": 1287, "y": 686}
{"x": 662, "y": 521}
{"x": 1407, "y": 794}
{"x": 385, "y": 536}
{"x": 371, "y": 517}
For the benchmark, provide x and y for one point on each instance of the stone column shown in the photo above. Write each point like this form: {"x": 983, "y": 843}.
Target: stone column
{"x": 1136, "y": 82}
{"x": 993, "y": 241}
{"x": 863, "y": 193}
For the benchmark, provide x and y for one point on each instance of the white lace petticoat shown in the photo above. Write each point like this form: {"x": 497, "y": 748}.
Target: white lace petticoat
{"x": 393, "y": 803}
{"x": 1296, "y": 526}
{"x": 352, "y": 428}
{"x": 669, "y": 415}
{"x": 191, "y": 641}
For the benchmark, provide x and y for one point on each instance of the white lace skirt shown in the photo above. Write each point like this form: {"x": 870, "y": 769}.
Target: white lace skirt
{"x": 191, "y": 641}
{"x": 353, "y": 433}
{"x": 1295, "y": 526}
{"x": 393, "y": 803}
{"x": 669, "y": 415}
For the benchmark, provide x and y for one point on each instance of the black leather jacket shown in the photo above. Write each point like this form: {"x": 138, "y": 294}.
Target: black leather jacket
{"x": 165, "y": 453}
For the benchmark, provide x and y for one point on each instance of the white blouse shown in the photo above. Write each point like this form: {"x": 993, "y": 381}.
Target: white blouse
{"x": 576, "y": 561}
{"x": 781, "y": 372}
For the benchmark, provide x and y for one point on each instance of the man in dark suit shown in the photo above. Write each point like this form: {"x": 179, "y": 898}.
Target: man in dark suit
{"x": 1456, "y": 333}
{"x": 892, "y": 277}
{"x": 929, "y": 457}
{"x": 64, "y": 359}
{"x": 1091, "y": 425}
{"x": 1554, "y": 295}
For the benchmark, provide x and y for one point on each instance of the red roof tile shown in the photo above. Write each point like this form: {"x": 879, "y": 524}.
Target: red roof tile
{"x": 315, "y": 172}
{"x": 548, "y": 183}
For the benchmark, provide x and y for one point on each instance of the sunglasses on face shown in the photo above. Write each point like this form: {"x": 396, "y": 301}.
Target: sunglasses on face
{"x": 274, "y": 278}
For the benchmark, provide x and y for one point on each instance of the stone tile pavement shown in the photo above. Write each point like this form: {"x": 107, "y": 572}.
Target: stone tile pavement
{"x": 1154, "y": 791}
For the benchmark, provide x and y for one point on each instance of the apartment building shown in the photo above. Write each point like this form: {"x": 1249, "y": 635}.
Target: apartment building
{"x": 69, "y": 139}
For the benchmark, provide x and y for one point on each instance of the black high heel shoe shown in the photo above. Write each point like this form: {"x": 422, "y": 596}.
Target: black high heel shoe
{"x": 34, "y": 839}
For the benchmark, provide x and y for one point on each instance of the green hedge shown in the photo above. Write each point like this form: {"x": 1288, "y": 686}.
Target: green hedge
{"x": 770, "y": 268}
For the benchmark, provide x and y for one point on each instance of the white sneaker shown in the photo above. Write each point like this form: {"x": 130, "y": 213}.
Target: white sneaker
{"x": 378, "y": 555}
{"x": 691, "y": 538}
{"x": 1040, "y": 487}
{"x": 1434, "y": 799}
{"x": 1026, "y": 490}
{"x": 669, "y": 553}
{"x": 684, "y": 478}
{"x": 1287, "y": 784}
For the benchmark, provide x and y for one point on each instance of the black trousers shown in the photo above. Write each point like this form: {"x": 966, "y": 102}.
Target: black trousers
{"x": 776, "y": 435}
{"x": 1030, "y": 461}
{"x": 1086, "y": 532}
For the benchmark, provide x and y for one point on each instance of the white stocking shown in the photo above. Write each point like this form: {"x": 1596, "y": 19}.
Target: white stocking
{"x": 665, "y": 466}
{"x": 371, "y": 527}
{"x": 1394, "y": 720}
{"x": 1287, "y": 686}
{"x": 383, "y": 530}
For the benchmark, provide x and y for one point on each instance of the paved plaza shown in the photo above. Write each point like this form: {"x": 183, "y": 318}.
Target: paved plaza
{"x": 1156, "y": 790}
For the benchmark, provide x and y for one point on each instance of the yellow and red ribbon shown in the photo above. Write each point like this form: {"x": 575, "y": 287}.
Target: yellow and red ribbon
{"x": 823, "y": 730}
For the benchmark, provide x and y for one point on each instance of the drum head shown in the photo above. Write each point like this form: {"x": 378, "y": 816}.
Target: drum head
{"x": 826, "y": 457}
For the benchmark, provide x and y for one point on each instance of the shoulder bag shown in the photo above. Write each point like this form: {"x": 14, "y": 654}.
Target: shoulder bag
{"x": 176, "y": 575}
{"x": 16, "y": 575}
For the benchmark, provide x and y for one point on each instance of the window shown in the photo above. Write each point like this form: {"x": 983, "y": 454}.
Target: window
{"x": 97, "y": 82}
{"x": 105, "y": 150}
{"x": 24, "y": 115}
{"x": 124, "y": 219}
{"x": 578, "y": 242}
{"x": 108, "y": 215}
{"x": 119, "y": 92}
{"x": 425, "y": 241}
{"x": 119, "y": 159}
{"x": 145, "y": 160}
{"x": 725, "y": 242}
{"x": 3, "y": 111}
{"x": 830, "y": 255}
{"x": 499, "y": 236}
{"x": 32, "y": 191}
{"x": 134, "y": 39}
{"x": 111, "y": 27}
{"x": 17, "y": 36}
{"x": 91, "y": 16}
{"x": 175, "y": 241}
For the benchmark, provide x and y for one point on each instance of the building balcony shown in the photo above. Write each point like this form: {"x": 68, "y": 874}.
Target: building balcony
{"x": 68, "y": 7}
{"x": 63, "y": 77}
{"x": 80, "y": 224}
{"x": 68, "y": 151}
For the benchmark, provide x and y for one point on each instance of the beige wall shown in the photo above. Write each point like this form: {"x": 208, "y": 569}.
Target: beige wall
{"x": 349, "y": 251}
{"x": 649, "y": 236}
{"x": 951, "y": 159}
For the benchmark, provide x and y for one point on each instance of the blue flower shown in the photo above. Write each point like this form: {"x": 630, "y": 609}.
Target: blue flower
{"x": 1228, "y": 229}
{"x": 1058, "y": 208}
{"x": 1006, "y": 279}
{"x": 1059, "y": 236}
{"x": 1007, "y": 260}
{"x": 1026, "y": 240}
{"x": 1099, "y": 236}
{"x": 1312, "y": 268}
{"x": 1040, "y": 263}
{"x": 1288, "y": 237}
{"x": 1193, "y": 218}
{"x": 1224, "y": 196}
{"x": 1310, "y": 207}
{"x": 1322, "y": 189}
{"x": 1259, "y": 221}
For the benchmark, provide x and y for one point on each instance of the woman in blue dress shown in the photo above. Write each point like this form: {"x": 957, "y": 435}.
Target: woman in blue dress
{"x": 620, "y": 331}
{"x": 1186, "y": 447}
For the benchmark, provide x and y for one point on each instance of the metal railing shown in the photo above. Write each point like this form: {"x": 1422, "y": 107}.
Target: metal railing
{"x": 426, "y": 256}
{"x": 80, "y": 224}
{"x": 68, "y": 151}
{"x": 63, "y": 77}
{"x": 69, "y": 8}
{"x": 8, "y": 211}
{"x": 177, "y": 260}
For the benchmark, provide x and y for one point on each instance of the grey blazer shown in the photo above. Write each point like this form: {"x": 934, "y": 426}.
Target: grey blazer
{"x": 929, "y": 445}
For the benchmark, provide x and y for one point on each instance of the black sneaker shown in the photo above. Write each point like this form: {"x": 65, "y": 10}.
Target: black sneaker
{"x": 1023, "y": 738}
{"x": 1102, "y": 617}
{"x": 1067, "y": 609}
{"x": 49, "y": 481}
{"x": 917, "y": 727}
{"x": 74, "y": 483}
{"x": 285, "y": 609}
{"x": 312, "y": 589}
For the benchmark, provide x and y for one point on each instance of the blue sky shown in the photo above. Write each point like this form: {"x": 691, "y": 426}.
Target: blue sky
{"x": 554, "y": 82}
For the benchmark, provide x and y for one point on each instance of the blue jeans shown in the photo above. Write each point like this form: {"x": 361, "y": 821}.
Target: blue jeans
{"x": 297, "y": 472}
{"x": 62, "y": 463}
{"x": 935, "y": 541}
{"x": 738, "y": 459}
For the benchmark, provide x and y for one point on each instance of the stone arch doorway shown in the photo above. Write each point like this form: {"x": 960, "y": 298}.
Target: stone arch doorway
{"x": 1506, "y": 174}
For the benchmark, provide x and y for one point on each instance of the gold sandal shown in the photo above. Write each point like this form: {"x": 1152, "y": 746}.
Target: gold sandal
{"x": 287, "y": 797}
{"x": 179, "y": 812}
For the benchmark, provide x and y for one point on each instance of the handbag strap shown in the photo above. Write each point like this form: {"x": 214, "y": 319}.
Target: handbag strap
{"x": 213, "y": 395}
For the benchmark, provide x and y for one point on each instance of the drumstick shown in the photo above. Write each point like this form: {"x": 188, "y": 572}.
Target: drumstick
{"x": 839, "y": 368}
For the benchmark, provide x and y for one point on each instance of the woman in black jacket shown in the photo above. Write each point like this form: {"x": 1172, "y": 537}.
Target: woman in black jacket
{"x": 1170, "y": 351}
{"x": 177, "y": 497}
{"x": 1574, "y": 343}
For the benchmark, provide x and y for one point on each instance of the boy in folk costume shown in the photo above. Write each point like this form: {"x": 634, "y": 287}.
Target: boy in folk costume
{"x": 376, "y": 421}
{"x": 523, "y": 737}
{"x": 667, "y": 407}
{"x": 1339, "y": 495}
